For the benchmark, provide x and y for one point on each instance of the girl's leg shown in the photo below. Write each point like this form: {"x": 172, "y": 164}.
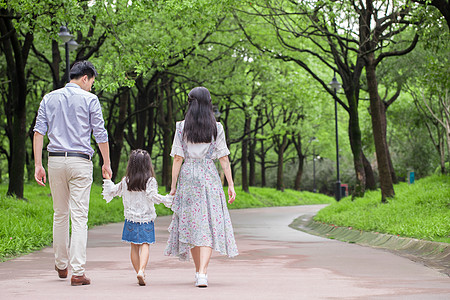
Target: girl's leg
{"x": 144, "y": 256}
{"x": 135, "y": 256}
{"x": 205, "y": 256}
{"x": 195, "y": 252}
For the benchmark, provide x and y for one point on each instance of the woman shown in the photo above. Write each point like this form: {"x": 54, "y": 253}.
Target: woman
{"x": 201, "y": 221}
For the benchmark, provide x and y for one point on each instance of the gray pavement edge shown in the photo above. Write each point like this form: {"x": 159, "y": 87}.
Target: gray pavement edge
{"x": 431, "y": 254}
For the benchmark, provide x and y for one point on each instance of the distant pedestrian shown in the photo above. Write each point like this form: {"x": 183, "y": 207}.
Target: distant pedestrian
{"x": 139, "y": 191}
{"x": 68, "y": 116}
{"x": 201, "y": 221}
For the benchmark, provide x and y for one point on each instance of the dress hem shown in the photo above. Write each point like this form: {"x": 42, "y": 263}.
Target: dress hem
{"x": 129, "y": 242}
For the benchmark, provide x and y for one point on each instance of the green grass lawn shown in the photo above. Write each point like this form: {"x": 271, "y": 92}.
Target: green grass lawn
{"x": 26, "y": 226}
{"x": 420, "y": 210}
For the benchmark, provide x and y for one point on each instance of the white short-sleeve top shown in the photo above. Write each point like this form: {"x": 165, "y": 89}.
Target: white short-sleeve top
{"x": 199, "y": 150}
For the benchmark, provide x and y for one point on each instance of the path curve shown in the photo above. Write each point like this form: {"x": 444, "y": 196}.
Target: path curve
{"x": 275, "y": 262}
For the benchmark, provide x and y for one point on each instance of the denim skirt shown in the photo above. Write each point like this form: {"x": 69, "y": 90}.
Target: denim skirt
{"x": 138, "y": 233}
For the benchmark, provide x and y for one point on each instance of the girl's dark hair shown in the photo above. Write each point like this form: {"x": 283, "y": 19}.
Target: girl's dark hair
{"x": 199, "y": 122}
{"x": 139, "y": 170}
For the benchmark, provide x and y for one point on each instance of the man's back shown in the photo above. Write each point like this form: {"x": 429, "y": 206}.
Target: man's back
{"x": 69, "y": 115}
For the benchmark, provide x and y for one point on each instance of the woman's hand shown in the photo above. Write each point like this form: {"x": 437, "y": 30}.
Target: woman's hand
{"x": 231, "y": 194}
{"x": 172, "y": 191}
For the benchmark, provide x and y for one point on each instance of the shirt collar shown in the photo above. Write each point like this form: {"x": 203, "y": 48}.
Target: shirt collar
{"x": 74, "y": 85}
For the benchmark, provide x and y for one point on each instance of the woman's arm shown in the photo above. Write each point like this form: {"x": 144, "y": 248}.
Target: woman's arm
{"x": 176, "y": 166}
{"x": 152, "y": 195}
{"x": 225, "y": 163}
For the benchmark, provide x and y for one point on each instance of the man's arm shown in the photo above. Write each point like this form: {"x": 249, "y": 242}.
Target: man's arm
{"x": 106, "y": 168}
{"x": 39, "y": 171}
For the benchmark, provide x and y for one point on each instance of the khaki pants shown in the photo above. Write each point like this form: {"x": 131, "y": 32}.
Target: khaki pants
{"x": 70, "y": 181}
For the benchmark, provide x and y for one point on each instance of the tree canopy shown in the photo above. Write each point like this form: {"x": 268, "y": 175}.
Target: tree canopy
{"x": 268, "y": 65}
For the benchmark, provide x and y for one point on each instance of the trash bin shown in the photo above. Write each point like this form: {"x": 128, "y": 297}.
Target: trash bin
{"x": 344, "y": 190}
{"x": 411, "y": 177}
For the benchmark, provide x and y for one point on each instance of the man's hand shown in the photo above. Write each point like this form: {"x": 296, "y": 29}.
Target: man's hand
{"x": 39, "y": 175}
{"x": 106, "y": 171}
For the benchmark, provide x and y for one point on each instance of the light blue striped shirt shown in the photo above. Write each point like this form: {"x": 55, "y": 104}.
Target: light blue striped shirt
{"x": 69, "y": 115}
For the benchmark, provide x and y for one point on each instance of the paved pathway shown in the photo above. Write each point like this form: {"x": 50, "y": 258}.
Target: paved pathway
{"x": 275, "y": 262}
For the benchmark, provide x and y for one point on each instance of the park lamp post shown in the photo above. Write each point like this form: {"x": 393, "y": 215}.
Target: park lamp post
{"x": 314, "y": 163}
{"x": 216, "y": 112}
{"x": 70, "y": 45}
{"x": 335, "y": 85}
{"x": 315, "y": 157}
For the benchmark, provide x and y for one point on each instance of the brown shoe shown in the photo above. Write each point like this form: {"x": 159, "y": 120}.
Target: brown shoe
{"x": 80, "y": 280}
{"x": 61, "y": 273}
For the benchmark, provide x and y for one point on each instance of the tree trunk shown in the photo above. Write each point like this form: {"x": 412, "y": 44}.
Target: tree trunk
{"x": 17, "y": 144}
{"x": 442, "y": 159}
{"x": 152, "y": 94}
{"x": 118, "y": 137}
{"x": 151, "y": 131}
{"x": 263, "y": 161}
{"x": 252, "y": 163}
{"x": 244, "y": 153}
{"x": 167, "y": 136}
{"x": 388, "y": 154}
{"x": 446, "y": 121}
{"x": 16, "y": 55}
{"x": 280, "y": 152}
{"x": 376, "y": 107}
{"x": 371, "y": 184}
{"x": 252, "y": 156}
{"x": 298, "y": 176}
{"x": 301, "y": 159}
{"x": 167, "y": 161}
{"x": 141, "y": 116}
{"x": 356, "y": 147}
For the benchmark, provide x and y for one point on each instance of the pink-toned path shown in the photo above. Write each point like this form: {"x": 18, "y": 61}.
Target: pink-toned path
{"x": 275, "y": 262}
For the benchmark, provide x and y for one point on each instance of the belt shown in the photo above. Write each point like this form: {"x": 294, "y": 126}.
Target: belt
{"x": 66, "y": 154}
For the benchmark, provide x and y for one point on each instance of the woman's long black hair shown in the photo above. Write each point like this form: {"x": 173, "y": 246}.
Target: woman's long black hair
{"x": 139, "y": 170}
{"x": 199, "y": 122}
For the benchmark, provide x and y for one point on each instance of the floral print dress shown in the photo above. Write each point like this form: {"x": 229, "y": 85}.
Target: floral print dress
{"x": 201, "y": 215}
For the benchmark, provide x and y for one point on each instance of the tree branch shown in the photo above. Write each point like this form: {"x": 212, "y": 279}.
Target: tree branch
{"x": 398, "y": 53}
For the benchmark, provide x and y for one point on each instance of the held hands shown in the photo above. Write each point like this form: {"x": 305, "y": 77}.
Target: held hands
{"x": 231, "y": 194}
{"x": 106, "y": 171}
{"x": 39, "y": 175}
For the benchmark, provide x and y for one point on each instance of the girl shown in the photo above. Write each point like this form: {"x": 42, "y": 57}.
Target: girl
{"x": 139, "y": 191}
{"x": 201, "y": 221}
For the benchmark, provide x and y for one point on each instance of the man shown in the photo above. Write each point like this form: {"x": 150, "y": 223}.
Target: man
{"x": 68, "y": 116}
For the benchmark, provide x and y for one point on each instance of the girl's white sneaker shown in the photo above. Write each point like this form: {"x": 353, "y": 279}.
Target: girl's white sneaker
{"x": 202, "y": 280}
{"x": 141, "y": 278}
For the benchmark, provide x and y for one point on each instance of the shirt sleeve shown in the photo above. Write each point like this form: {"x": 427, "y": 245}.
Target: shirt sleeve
{"x": 97, "y": 122}
{"x": 151, "y": 193}
{"x": 177, "y": 149}
{"x": 221, "y": 142}
{"x": 41, "y": 125}
{"x": 111, "y": 190}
